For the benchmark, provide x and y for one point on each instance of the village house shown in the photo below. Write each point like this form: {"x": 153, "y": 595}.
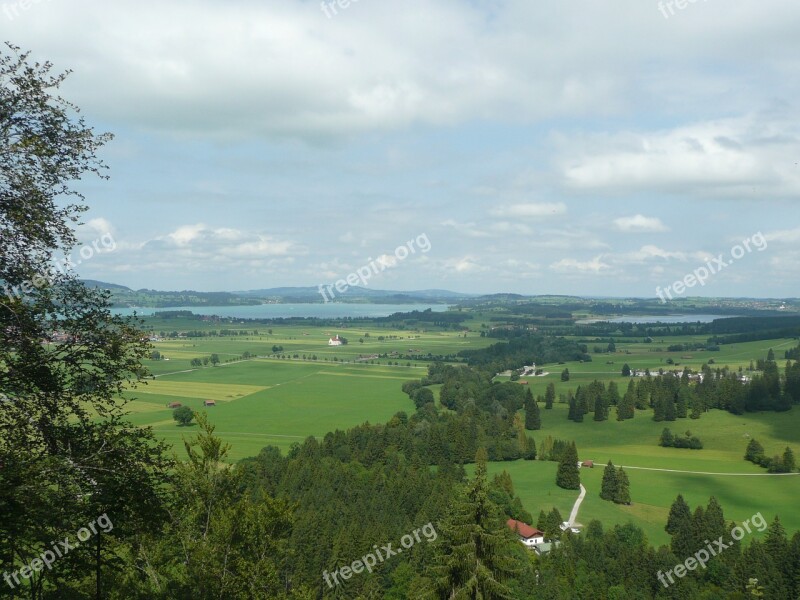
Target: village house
{"x": 529, "y": 536}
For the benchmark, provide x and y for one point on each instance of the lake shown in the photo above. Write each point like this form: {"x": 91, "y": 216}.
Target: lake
{"x": 331, "y": 310}
{"x": 657, "y": 319}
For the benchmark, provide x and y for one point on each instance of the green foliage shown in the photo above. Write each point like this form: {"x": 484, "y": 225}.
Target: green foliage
{"x": 183, "y": 415}
{"x": 475, "y": 557}
{"x": 567, "y": 476}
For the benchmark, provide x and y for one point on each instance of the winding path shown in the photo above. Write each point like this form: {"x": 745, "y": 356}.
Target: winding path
{"x": 574, "y": 514}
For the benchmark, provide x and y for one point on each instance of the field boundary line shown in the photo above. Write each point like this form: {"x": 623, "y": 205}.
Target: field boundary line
{"x": 710, "y": 473}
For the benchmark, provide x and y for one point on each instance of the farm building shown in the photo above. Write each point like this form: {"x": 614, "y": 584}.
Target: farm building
{"x": 529, "y": 536}
{"x": 174, "y": 405}
{"x": 209, "y": 403}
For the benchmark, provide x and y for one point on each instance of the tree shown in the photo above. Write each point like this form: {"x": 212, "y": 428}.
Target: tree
{"x": 221, "y": 542}
{"x": 679, "y": 513}
{"x": 68, "y": 452}
{"x": 667, "y": 439}
{"x": 608, "y": 488}
{"x": 788, "y": 460}
{"x": 550, "y": 396}
{"x": 754, "y": 452}
{"x": 183, "y": 415}
{"x": 565, "y": 375}
{"x": 622, "y": 494}
{"x": 679, "y": 526}
{"x": 533, "y": 419}
{"x": 601, "y": 408}
{"x": 475, "y": 555}
{"x": 626, "y": 370}
{"x": 214, "y": 360}
{"x": 567, "y": 476}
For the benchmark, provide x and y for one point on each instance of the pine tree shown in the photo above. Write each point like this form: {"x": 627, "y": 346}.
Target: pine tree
{"x": 600, "y": 408}
{"x": 682, "y": 402}
{"x": 679, "y": 513}
{"x": 533, "y": 420}
{"x": 627, "y": 406}
{"x": 623, "y": 491}
{"x": 571, "y": 413}
{"x": 788, "y": 460}
{"x": 667, "y": 439}
{"x": 608, "y": 488}
{"x": 612, "y": 394}
{"x": 582, "y": 401}
{"x": 754, "y": 451}
{"x": 541, "y": 522}
{"x": 658, "y": 409}
{"x": 552, "y": 524}
{"x": 550, "y": 396}
{"x": 669, "y": 407}
{"x": 474, "y": 558}
{"x": 714, "y": 521}
{"x": 568, "y": 476}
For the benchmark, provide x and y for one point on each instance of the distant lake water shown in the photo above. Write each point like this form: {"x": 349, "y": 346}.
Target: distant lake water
{"x": 284, "y": 311}
{"x": 657, "y": 319}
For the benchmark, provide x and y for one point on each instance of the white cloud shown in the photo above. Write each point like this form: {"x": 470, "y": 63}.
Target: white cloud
{"x": 786, "y": 236}
{"x": 640, "y": 224}
{"x": 736, "y": 157}
{"x": 531, "y": 209}
{"x": 571, "y": 265}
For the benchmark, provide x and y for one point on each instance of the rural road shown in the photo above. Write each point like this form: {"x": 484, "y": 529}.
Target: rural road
{"x": 574, "y": 514}
{"x": 709, "y": 473}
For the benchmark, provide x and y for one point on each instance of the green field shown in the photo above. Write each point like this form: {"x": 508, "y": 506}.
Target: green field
{"x": 280, "y": 401}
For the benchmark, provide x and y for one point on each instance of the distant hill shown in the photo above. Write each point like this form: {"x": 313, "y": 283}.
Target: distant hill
{"x": 123, "y": 296}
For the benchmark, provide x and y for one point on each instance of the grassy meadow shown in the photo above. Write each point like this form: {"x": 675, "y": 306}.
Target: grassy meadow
{"x": 279, "y": 401}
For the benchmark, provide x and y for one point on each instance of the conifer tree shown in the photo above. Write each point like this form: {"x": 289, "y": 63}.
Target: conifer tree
{"x": 550, "y": 396}
{"x": 568, "y": 476}
{"x": 475, "y": 557}
{"x": 533, "y": 419}
{"x": 608, "y": 488}
{"x": 622, "y": 494}
{"x": 754, "y": 451}
{"x": 788, "y": 460}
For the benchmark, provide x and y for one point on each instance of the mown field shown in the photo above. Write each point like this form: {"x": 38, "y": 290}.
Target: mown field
{"x": 280, "y": 401}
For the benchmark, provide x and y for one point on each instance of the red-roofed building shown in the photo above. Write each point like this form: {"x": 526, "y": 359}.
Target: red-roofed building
{"x": 530, "y": 536}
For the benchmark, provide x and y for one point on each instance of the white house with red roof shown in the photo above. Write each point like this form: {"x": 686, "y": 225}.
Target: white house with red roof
{"x": 335, "y": 341}
{"x": 530, "y": 536}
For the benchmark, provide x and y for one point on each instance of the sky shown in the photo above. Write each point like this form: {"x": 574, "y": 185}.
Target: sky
{"x": 579, "y": 147}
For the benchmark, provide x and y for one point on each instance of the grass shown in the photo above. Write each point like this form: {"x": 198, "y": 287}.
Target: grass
{"x": 282, "y": 401}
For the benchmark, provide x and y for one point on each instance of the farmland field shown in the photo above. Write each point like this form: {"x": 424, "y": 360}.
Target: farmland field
{"x": 308, "y": 388}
